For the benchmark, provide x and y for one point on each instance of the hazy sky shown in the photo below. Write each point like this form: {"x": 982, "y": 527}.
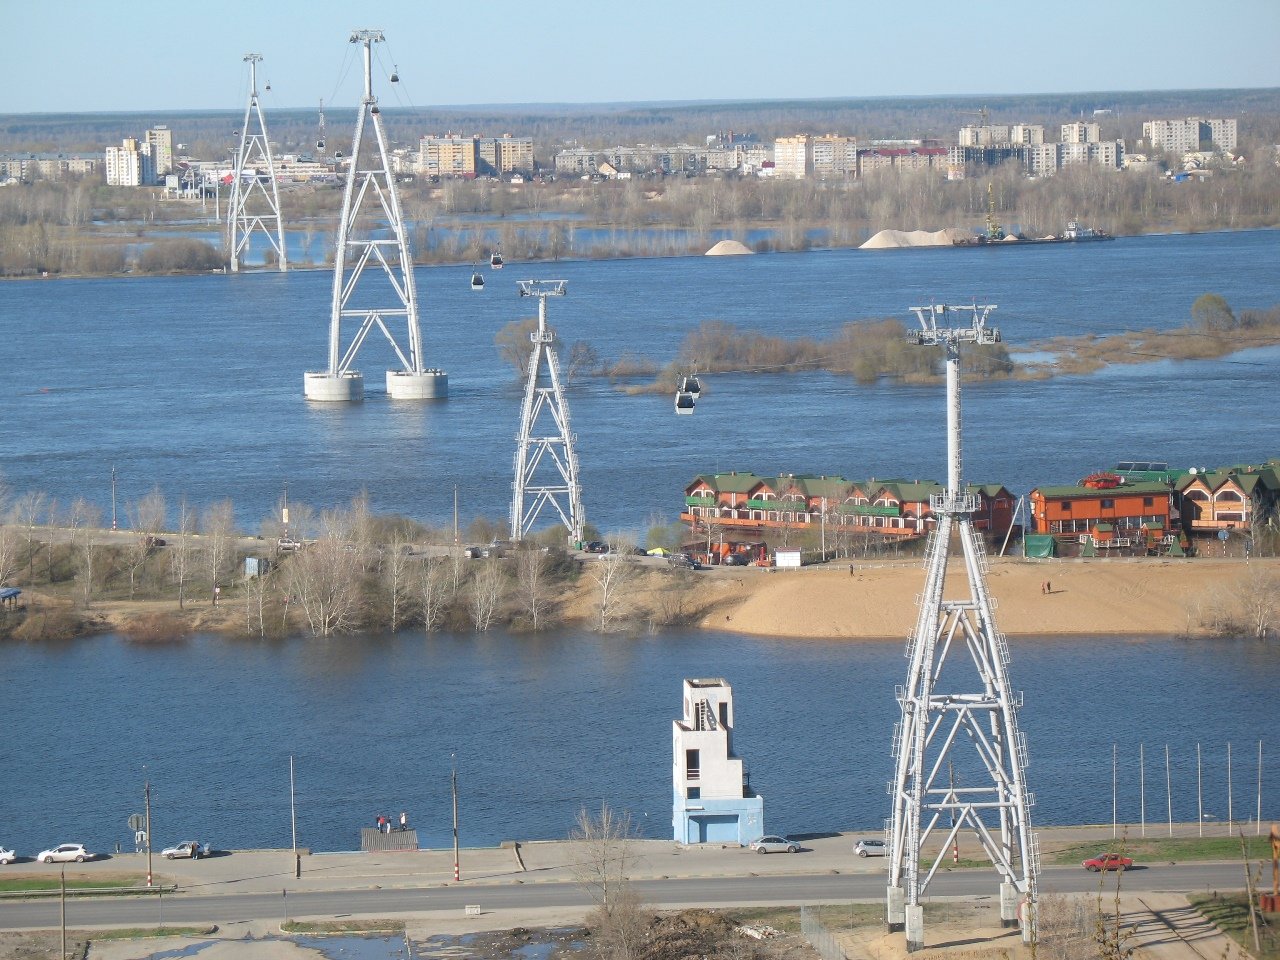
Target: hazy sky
{"x": 147, "y": 55}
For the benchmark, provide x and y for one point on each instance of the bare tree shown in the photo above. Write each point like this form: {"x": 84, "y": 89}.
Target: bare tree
{"x": 323, "y": 578}
{"x": 28, "y": 513}
{"x": 85, "y": 521}
{"x": 9, "y": 545}
{"x": 1257, "y": 600}
{"x": 532, "y": 587}
{"x": 613, "y": 573}
{"x": 487, "y": 589}
{"x": 256, "y": 591}
{"x": 218, "y": 529}
{"x": 435, "y": 593}
{"x": 180, "y": 553}
{"x": 602, "y": 851}
{"x": 146, "y": 517}
{"x": 395, "y": 570}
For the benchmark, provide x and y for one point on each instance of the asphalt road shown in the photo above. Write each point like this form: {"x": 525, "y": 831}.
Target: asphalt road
{"x": 231, "y": 908}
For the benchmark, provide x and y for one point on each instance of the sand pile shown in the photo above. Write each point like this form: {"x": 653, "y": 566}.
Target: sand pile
{"x": 894, "y": 239}
{"x": 729, "y": 248}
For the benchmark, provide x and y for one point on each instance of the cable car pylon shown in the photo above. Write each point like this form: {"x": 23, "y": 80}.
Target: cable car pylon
{"x": 988, "y": 794}
{"x": 370, "y": 181}
{"x": 546, "y": 462}
{"x": 252, "y": 208}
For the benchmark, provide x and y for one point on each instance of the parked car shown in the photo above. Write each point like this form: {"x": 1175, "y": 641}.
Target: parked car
{"x": 288, "y": 545}
{"x": 1106, "y": 861}
{"x": 736, "y": 560}
{"x": 7, "y": 856}
{"x": 65, "y": 853}
{"x": 871, "y": 848}
{"x": 684, "y": 560}
{"x": 775, "y": 844}
{"x": 596, "y": 546}
{"x": 187, "y": 849}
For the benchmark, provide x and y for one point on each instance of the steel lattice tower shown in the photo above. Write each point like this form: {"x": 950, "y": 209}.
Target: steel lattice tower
{"x": 372, "y": 186}
{"x": 936, "y": 717}
{"x": 538, "y": 483}
{"x": 248, "y": 192}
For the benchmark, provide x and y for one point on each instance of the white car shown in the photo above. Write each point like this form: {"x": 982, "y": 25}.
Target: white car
{"x": 870, "y": 848}
{"x": 7, "y": 856}
{"x": 65, "y": 853}
{"x": 774, "y": 844}
{"x": 192, "y": 849}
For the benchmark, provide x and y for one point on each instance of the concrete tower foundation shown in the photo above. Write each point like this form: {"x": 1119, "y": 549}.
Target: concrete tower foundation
{"x": 429, "y": 385}
{"x": 333, "y": 387}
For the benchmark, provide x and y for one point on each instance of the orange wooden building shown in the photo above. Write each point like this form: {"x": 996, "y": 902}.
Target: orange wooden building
{"x": 1126, "y": 507}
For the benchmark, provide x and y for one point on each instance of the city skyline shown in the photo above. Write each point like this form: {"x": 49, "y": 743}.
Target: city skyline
{"x": 159, "y": 60}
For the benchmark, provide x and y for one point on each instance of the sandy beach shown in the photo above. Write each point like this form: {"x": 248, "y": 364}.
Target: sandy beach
{"x": 1122, "y": 597}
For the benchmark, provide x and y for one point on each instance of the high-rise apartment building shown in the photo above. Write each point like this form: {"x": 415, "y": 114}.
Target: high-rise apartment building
{"x": 835, "y": 156}
{"x": 452, "y": 155}
{"x": 1186, "y": 136}
{"x": 1081, "y": 132}
{"x": 793, "y": 156}
{"x": 1032, "y": 133}
{"x": 130, "y": 164}
{"x": 160, "y": 140}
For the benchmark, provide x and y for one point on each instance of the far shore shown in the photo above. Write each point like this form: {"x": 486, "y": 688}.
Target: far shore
{"x": 876, "y": 601}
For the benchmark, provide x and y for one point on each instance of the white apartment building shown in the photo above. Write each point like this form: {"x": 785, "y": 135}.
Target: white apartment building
{"x": 1032, "y": 133}
{"x": 713, "y": 799}
{"x": 986, "y": 135}
{"x": 1104, "y": 153}
{"x": 1042, "y": 159}
{"x": 793, "y": 156}
{"x": 160, "y": 140}
{"x": 835, "y": 156}
{"x": 130, "y": 165}
{"x": 1081, "y": 132}
{"x": 1185, "y": 136}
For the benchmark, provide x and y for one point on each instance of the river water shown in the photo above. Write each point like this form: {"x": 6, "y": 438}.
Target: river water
{"x": 540, "y": 725}
{"x": 194, "y": 384}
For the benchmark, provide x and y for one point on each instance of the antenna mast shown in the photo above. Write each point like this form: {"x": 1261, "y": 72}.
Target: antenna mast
{"x": 375, "y": 184}
{"x": 254, "y": 153}
{"x": 994, "y": 803}
{"x": 557, "y": 483}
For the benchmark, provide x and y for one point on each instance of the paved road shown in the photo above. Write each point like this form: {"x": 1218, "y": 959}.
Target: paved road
{"x": 230, "y": 908}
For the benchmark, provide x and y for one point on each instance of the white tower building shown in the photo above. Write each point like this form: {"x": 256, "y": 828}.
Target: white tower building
{"x": 713, "y": 802}
{"x": 546, "y": 466}
{"x": 371, "y": 184}
{"x": 938, "y": 784}
{"x": 253, "y": 208}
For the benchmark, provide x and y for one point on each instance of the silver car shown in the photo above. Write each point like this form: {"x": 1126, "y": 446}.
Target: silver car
{"x": 870, "y": 848}
{"x": 774, "y": 844}
{"x": 7, "y": 856}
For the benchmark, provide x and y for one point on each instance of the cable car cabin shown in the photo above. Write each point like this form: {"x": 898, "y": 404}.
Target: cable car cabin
{"x": 691, "y": 385}
{"x": 477, "y": 281}
{"x": 495, "y": 260}
{"x": 684, "y": 403}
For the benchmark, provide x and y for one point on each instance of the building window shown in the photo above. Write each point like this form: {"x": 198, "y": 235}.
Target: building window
{"x": 1066, "y": 506}
{"x": 1108, "y": 504}
{"x": 693, "y": 793}
{"x": 691, "y": 762}
{"x": 1148, "y": 502}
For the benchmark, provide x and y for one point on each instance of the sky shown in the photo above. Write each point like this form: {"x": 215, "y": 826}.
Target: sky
{"x": 71, "y": 56}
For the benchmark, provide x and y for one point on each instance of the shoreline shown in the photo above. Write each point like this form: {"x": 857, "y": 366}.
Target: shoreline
{"x": 1133, "y": 598}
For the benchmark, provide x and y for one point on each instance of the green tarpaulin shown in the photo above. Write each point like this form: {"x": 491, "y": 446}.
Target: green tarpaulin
{"x": 1039, "y": 545}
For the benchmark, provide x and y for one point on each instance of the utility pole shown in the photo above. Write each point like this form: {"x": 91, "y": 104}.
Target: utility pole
{"x": 113, "y": 496}
{"x": 146, "y": 796}
{"x": 453, "y": 779}
{"x": 62, "y": 911}
{"x": 293, "y": 821}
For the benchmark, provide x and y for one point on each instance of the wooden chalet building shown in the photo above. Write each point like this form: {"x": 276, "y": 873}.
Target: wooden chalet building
{"x": 751, "y": 505}
{"x": 1240, "y": 497}
{"x": 1104, "y": 507}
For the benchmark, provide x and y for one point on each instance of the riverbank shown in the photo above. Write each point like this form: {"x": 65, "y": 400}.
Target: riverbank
{"x": 849, "y": 600}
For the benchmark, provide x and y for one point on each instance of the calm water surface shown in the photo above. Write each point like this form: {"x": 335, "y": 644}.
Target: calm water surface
{"x": 543, "y": 724}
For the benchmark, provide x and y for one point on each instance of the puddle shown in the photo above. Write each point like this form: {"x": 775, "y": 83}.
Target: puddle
{"x": 517, "y": 944}
{"x": 356, "y": 948}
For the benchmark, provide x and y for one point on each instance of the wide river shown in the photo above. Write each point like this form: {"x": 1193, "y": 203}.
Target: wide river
{"x": 194, "y": 384}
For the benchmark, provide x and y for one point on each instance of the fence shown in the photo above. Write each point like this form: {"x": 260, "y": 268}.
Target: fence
{"x": 819, "y": 937}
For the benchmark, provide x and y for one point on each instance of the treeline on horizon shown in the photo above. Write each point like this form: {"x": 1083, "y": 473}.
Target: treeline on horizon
{"x": 208, "y": 134}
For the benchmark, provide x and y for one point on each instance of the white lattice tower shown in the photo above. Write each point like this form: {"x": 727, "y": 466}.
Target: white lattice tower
{"x": 370, "y": 194}
{"x": 253, "y": 208}
{"x": 959, "y": 634}
{"x": 546, "y": 463}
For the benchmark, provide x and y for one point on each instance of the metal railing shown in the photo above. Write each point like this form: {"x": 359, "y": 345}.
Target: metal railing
{"x": 819, "y": 937}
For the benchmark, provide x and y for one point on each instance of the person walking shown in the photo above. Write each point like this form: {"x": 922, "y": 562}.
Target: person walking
{"x": 404, "y": 820}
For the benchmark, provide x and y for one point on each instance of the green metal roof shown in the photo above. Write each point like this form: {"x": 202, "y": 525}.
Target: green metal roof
{"x": 1127, "y": 489}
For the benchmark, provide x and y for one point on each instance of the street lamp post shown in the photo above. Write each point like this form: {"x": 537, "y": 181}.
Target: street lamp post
{"x": 453, "y": 782}
{"x": 113, "y": 496}
{"x": 146, "y": 796}
{"x": 293, "y": 822}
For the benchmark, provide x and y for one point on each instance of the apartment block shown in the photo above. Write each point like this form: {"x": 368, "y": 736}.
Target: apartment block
{"x": 793, "y": 156}
{"x": 130, "y": 164}
{"x": 1031, "y": 133}
{"x": 835, "y": 156}
{"x": 160, "y": 140}
{"x": 1106, "y": 153}
{"x": 985, "y": 135}
{"x": 1042, "y": 159}
{"x": 1081, "y": 132}
{"x": 451, "y": 155}
{"x": 1185, "y": 136}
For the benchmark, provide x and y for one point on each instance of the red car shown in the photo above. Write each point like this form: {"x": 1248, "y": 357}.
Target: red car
{"x": 1107, "y": 861}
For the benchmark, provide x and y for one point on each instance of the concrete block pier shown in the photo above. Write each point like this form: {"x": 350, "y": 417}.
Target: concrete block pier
{"x": 326, "y": 387}
{"x": 429, "y": 385}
